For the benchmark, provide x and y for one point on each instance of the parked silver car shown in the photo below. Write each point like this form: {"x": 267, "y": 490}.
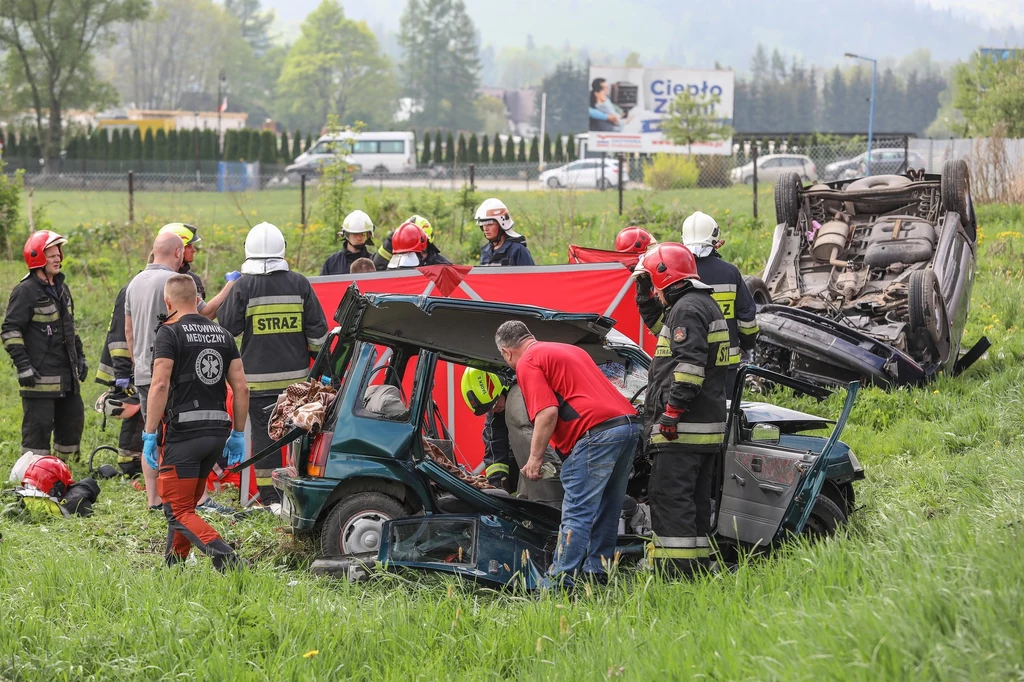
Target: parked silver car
{"x": 771, "y": 167}
{"x": 585, "y": 173}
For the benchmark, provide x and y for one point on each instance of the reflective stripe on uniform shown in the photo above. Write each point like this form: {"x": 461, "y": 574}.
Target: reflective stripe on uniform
{"x": 734, "y": 355}
{"x": 383, "y": 253}
{"x": 264, "y": 481}
{"x": 257, "y": 301}
{"x": 663, "y": 349}
{"x": 496, "y": 468}
{"x": 119, "y": 349}
{"x": 718, "y": 337}
{"x": 47, "y": 313}
{"x": 688, "y": 373}
{"x": 105, "y": 373}
{"x": 748, "y": 327}
{"x": 276, "y": 380}
{"x": 718, "y": 331}
{"x": 203, "y": 416}
{"x": 726, "y": 300}
{"x": 315, "y": 344}
{"x": 654, "y": 552}
{"x": 65, "y": 449}
{"x": 681, "y": 542}
{"x": 25, "y": 373}
{"x": 687, "y": 433}
{"x": 45, "y": 385}
{"x": 13, "y": 338}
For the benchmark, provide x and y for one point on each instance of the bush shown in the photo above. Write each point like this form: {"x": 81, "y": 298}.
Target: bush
{"x": 671, "y": 171}
{"x": 10, "y": 205}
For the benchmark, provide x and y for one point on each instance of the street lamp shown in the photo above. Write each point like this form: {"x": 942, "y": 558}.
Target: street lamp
{"x": 871, "y": 116}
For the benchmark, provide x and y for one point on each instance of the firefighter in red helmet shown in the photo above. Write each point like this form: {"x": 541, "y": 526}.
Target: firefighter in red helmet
{"x": 39, "y": 334}
{"x": 410, "y": 246}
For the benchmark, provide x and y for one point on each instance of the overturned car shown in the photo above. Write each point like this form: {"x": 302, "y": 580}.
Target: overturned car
{"x": 869, "y": 279}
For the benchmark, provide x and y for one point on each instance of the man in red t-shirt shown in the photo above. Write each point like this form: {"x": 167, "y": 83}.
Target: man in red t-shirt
{"x": 591, "y": 426}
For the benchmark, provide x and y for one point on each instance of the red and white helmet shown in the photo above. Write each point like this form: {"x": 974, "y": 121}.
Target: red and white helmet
{"x": 38, "y": 243}
{"x": 634, "y": 239}
{"x": 495, "y": 209}
{"x": 49, "y": 475}
{"x": 668, "y": 264}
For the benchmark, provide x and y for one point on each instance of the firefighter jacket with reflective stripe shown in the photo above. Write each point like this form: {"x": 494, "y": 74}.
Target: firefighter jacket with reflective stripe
{"x": 116, "y": 359}
{"x": 39, "y": 333}
{"x": 201, "y": 351}
{"x": 688, "y": 372}
{"x": 281, "y": 324}
{"x": 735, "y": 301}
{"x": 383, "y": 255}
{"x": 340, "y": 263}
{"x": 513, "y": 251}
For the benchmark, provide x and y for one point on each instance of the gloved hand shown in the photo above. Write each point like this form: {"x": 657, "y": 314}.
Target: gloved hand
{"x": 668, "y": 423}
{"x": 149, "y": 450}
{"x": 29, "y": 381}
{"x": 643, "y": 286}
{"x": 235, "y": 448}
{"x": 123, "y": 384}
{"x": 83, "y": 369}
{"x": 232, "y": 276}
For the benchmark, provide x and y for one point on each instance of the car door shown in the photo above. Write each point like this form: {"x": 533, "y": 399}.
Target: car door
{"x": 768, "y": 490}
{"x": 769, "y": 170}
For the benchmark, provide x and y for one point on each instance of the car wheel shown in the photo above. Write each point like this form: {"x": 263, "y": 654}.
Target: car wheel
{"x": 381, "y": 170}
{"x": 355, "y": 525}
{"x": 825, "y": 519}
{"x": 956, "y": 191}
{"x": 787, "y": 199}
{"x": 553, "y": 182}
{"x": 927, "y": 314}
{"x": 604, "y": 183}
{"x": 749, "y": 180}
{"x": 758, "y": 290}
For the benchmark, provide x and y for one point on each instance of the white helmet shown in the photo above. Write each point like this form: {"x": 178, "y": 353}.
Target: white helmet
{"x": 356, "y": 222}
{"x": 701, "y": 234}
{"x": 495, "y": 209}
{"x": 264, "y": 241}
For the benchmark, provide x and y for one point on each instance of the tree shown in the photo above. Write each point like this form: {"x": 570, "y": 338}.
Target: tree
{"x": 522, "y": 150}
{"x": 208, "y": 145}
{"x": 534, "y": 150}
{"x": 242, "y": 151}
{"x": 160, "y": 146}
{"x": 426, "y": 158}
{"x": 547, "y": 148}
{"x": 474, "y": 149}
{"x": 485, "y": 149}
{"x": 50, "y": 48}
{"x": 173, "y": 152}
{"x": 137, "y": 147}
{"x": 231, "y": 145}
{"x": 148, "y": 146}
{"x": 570, "y": 149}
{"x": 336, "y": 67}
{"x": 116, "y": 152}
{"x": 283, "y": 154}
{"x": 254, "y": 23}
{"x": 462, "y": 153}
{"x": 449, "y": 149}
{"x": 567, "y": 90}
{"x": 438, "y": 148}
{"x": 493, "y": 114}
{"x": 297, "y": 144}
{"x": 693, "y": 119}
{"x": 334, "y": 195}
{"x": 559, "y": 151}
{"x": 510, "y": 150}
{"x": 309, "y": 142}
{"x": 633, "y": 61}
{"x": 497, "y": 157}
{"x": 441, "y": 66}
{"x": 254, "y": 146}
{"x": 990, "y": 93}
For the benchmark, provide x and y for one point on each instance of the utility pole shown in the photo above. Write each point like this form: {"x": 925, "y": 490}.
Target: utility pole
{"x": 220, "y": 99}
{"x": 871, "y": 114}
{"x": 543, "y": 126}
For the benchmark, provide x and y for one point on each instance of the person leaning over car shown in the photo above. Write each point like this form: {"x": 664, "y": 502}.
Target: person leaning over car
{"x": 194, "y": 361}
{"x": 591, "y": 426}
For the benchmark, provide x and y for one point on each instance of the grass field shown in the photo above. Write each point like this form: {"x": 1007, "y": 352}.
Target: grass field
{"x": 925, "y": 583}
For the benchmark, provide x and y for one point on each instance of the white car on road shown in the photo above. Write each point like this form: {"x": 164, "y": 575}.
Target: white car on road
{"x": 585, "y": 173}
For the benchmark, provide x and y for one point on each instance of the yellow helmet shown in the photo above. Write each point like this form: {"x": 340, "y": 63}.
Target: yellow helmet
{"x": 188, "y": 233}
{"x": 423, "y": 224}
{"x": 482, "y": 389}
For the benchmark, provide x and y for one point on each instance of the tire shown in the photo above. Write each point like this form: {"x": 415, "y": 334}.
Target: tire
{"x": 749, "y": 181}
{"x": 758, "y": 290}
{"x": 553, "y": 182}
{"x": 381, "y": 170}
{"x": 927, "y": 313}
{"x": 956, "y": 192}
{"x": 825, "y": 519}
{"x": 354, "y": 525}
{"x": 787, "y": 199}
{"x": 604, "y": 183}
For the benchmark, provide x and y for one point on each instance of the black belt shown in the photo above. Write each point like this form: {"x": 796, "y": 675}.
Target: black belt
{"x": 611, "y": 424}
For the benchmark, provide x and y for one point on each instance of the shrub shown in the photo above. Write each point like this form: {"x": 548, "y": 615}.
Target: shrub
{"x": 671, "y": 171}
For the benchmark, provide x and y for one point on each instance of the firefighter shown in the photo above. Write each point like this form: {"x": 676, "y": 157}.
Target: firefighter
{"x": 638, "y": 240}
{"x": 382, "y": 258}
{"x": 684, "y": 410}
{"x": 190, "y": 239}
{"x": 39, "y": 333}
{"x": 485, "y": 394}
{"x": 282, "y": 326}
{"x": 411, "y": 248}
{"x": 702, "y": 236}
{"x": 504, "y": 245}
{"x": 115, "y": 372}
{"x": 194, "y": 361}
{"x": 356, "y": 233}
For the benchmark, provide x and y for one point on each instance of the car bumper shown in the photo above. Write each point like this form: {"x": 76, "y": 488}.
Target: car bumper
{"x": 304, "y": 497}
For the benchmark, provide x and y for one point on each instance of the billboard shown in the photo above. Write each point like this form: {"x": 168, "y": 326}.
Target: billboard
{"x": 627, "y": 105}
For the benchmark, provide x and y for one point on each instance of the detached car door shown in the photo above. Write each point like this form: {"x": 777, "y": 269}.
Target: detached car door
{"x": 768, "y": 490}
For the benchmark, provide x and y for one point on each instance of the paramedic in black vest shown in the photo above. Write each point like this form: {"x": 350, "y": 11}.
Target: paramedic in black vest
{"x": 356, "y": 233}
{"x": 194, "y": 361}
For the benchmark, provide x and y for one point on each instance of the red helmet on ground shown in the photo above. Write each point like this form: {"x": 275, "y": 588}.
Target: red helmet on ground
{"x": 409, "y": 238}
{"x": 668, "y": 264}
{"x": 50, "y": 475}
{"x": 38, "y": 243}
{"x": 634, "y": 239}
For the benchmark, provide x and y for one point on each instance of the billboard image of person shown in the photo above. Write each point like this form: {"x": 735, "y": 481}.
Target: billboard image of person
{"x": 605, "y": 116}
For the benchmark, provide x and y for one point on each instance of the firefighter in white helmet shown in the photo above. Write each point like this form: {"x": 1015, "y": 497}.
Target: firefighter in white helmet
{"x": 504, "y": 245}
{"x": 703, "y": 237}
{"x": 356, "y": 234}
{"x": 282, "y": 326}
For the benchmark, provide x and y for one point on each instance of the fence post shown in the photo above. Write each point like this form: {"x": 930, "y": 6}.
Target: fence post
{"x": 131, "y": 197}
{"x": 472, "y": 176}
{"x": 620, "y": 183}
{"x": 906, "y": 153}
{"x": 604, "y": 155}
{"x": 302, "y": 216}
{"x": 753, "y": 149}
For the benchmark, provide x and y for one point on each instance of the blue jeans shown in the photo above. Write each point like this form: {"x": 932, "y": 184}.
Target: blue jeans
{"x": 594, "y": 477}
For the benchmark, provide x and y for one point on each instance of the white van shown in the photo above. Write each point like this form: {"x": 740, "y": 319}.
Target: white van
{"x": 378, "y": 153}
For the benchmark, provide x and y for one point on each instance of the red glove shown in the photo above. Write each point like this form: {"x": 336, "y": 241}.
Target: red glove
{"x": 667, "y": 424}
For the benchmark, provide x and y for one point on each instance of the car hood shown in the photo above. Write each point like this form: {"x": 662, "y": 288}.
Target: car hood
{"x": 461, "y": 330}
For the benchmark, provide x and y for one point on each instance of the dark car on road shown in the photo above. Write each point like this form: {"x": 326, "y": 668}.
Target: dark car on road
{"x": 366, "y": 469}
{"x": 869, "y": 279}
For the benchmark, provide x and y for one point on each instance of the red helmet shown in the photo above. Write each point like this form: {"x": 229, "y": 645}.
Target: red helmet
{"x": 634, "y": 240}
{"x": 49, "y": 475}
{"x": 38, "y": 243}
{"x": 409, "y": 238}
{"x": 668, "y": 264}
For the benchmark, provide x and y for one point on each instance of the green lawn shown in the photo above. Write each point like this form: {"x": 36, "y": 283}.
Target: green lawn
{"x": 925, "y": 583}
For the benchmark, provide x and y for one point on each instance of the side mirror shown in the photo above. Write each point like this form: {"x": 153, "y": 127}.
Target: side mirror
{"x": 764, "y": 434}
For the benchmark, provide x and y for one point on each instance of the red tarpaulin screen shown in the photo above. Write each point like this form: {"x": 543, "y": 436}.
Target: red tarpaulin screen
{"x": 603, "y": 288}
